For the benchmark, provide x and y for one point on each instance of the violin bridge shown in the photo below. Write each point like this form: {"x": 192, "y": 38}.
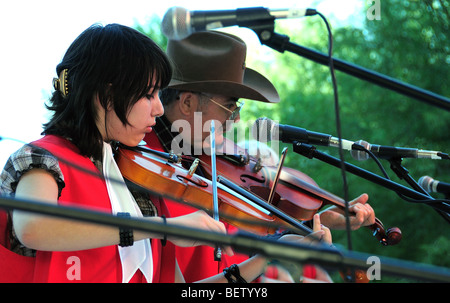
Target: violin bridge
{"x": 257, "y": 166}
{"x": 193, "y": 167}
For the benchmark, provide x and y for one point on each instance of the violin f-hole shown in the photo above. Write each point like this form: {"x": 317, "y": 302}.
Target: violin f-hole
{"x": 262, "y": 180}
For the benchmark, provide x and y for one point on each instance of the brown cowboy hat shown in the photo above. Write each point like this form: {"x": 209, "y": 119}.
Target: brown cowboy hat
{"x": 214, "y": 62}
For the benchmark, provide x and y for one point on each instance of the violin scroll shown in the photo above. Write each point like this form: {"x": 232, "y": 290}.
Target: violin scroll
{"x": 394, "y": 235}
{"x": 390, "y": 237}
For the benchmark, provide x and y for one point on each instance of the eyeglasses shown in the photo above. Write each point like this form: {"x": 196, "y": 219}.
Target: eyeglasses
{"x": 233, "y": 113}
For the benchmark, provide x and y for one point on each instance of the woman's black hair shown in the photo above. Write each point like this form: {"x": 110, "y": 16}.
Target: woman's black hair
{"x": 115, "y": 62}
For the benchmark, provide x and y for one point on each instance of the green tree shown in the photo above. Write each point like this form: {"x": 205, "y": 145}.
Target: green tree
{"x": 411, "y": 44}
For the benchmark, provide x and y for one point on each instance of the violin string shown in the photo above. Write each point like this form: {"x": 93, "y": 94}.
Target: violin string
{"x": 269, "y": 225}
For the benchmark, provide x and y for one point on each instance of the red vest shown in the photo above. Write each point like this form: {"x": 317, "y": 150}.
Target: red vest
{"x": 14, "y": 268}
{"x": 196, "y": 263}
{"x": 93, "y": 265}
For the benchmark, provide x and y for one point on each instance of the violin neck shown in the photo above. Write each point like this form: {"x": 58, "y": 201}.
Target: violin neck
{"x": 292, "y": 222}
{"x": 313, "y": 190}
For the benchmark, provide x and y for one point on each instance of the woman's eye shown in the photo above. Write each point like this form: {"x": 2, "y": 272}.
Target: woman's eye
{"x": 154, "y": 93}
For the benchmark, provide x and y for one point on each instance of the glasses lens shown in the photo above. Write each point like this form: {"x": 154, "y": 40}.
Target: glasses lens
{"x": 235, "y": 113}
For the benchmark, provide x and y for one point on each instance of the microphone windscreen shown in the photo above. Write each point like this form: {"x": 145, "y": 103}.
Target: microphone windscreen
{"x": 176, "y": 23}
{"x": 262, "y": 129}
{"x": 425, "y": 183}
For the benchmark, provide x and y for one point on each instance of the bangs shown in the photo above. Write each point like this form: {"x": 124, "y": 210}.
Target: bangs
{"x": 159, "y": 73}
{"x": 142, "y": 67}
{"x": 118, "y": 64}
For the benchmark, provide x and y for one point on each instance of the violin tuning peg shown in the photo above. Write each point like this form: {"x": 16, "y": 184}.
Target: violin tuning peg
{"x": 173, "y": 158}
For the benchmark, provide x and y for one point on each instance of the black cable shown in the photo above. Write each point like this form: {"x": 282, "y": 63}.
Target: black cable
{"x": 372, "y": 155}
{"x": 442, "y": 206}
{"x": 338, "y": 127}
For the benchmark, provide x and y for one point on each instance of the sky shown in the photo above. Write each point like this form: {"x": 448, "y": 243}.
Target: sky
{"x": 35, "y": 35}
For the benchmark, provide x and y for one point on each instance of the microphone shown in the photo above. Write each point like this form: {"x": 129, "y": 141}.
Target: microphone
{"x": 389, "y": 152}
{"x": 431, "y": 185}
{"x": 178, "y": 22}
{"x": 265, "y": 130}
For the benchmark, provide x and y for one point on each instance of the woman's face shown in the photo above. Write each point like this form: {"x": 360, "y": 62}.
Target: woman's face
{"x": 141, "y": 118}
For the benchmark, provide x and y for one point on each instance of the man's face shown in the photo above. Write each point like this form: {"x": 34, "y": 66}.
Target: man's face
{"x": 208, "y": 107}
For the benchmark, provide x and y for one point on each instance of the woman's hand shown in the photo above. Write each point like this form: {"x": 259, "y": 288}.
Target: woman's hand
{"x": 200, "y": 220}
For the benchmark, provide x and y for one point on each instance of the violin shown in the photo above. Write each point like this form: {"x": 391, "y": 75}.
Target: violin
{"x": 296, "y": 194}
{"x": 160, "y": 174}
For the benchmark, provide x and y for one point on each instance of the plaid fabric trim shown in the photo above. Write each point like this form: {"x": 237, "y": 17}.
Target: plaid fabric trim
{"x": 25, "y": 159}
{"x": 30, "y": 157}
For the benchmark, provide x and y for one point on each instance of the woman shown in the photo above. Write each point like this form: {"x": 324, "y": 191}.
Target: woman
{"x": 107, "y": 91}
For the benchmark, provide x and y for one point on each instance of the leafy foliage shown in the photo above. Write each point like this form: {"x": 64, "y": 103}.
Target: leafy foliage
{"x": 411, "y": 44}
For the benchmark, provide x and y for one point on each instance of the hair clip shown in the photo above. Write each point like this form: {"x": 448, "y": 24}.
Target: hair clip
{"x": 61, "y": 83}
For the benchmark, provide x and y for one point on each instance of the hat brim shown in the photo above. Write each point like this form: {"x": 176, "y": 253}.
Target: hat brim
{"x": 254, "y": 87}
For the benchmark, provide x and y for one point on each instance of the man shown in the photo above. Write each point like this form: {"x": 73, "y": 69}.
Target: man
{"x": 210, "y": 75}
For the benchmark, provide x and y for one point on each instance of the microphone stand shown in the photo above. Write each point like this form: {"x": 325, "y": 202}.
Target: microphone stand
{"x": 310, "y": 152}
{"x": 403, "y": 174}
{"x": 245, "y": 242}
{"x": 280, "y": 43}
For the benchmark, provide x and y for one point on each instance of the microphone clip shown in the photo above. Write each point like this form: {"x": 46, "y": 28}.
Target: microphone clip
{"x": 304, "y": 149}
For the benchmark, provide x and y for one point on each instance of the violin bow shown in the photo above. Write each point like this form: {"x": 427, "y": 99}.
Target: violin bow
{"x": 212, "y": 139}
{"x": 277, "y": 177}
